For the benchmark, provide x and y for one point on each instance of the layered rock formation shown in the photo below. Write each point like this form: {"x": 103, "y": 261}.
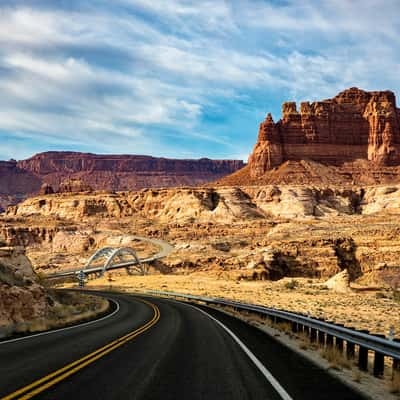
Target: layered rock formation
{"x": 73, "y": 186}
{"x": 353, "y": 138}
{"x": 223, "y": 204}
{"x": 15, "y": 183}
{"x": 50, "y": 171}
{"x": 313, "y": 232}
{"x": 124, "y": 172}
{"x": 353, "y": 125}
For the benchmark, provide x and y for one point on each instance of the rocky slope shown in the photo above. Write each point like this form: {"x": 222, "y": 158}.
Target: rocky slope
{"x": 21, "y": 295}
{"x": 28, "y": 306}
{"x": 221, "y": 204}
{"x": 353, "y": 138}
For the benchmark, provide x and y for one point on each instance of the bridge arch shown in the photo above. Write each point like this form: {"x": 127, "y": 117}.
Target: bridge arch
{"x": 111, "y": 255}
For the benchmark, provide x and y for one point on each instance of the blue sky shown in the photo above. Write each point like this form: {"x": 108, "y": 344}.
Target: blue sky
{"x": 177, "y": 78}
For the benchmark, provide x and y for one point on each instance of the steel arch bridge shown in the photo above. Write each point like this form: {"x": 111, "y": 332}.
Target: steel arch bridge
{"x": 115, "y": 258}
{"x": 121, "y": 257}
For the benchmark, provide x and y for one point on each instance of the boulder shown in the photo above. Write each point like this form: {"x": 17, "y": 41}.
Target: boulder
{"x": 339, "y": 282}
{"x": 46, "y": 189}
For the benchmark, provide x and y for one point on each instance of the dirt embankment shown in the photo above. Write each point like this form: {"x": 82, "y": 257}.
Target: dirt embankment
{"x": 26, "y": 305}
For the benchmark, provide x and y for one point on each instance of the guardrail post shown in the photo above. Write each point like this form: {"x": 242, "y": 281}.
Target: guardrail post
{"x": 339, "y": 344}
{"x": 363, "y": 358}
{"x": 329, "y": 340}
{"x": 307, "y": 330}
{"x": 396, "y": 364}
{"x": 350, "y": 350}
{"x": 321, "y": 338}
{"x": 379, "y": 362}
{"x": 294, "y": 327}
{"x": 313, "y": 335}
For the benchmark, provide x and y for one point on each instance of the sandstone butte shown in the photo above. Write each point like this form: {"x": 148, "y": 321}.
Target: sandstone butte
{"x": 353, "y": 138}
{"x": 105, "y": 172}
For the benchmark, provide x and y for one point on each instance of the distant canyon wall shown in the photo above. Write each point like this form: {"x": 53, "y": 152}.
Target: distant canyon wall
{"x": 105, "y": 172}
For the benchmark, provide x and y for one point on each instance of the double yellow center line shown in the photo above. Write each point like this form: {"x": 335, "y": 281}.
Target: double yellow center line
{"x": 46, "y": 382}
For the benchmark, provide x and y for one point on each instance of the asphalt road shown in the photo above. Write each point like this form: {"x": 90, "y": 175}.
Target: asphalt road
{"x": 167, "y": 350}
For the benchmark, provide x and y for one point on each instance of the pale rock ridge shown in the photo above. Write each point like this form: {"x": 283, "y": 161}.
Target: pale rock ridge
{"x": 221, "y": 204}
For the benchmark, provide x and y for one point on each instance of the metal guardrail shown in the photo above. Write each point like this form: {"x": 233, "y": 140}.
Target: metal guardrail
{"x": 380, "y": 345}
{"x": 75, "y": 272}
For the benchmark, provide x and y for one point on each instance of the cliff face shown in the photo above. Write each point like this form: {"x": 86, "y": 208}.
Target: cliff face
{"x": 353, "y": 125}
{"x": 124, "y": 172}
{"x": 104, "y": 172}
{"x": 206, "y": 204}
{"x": 15, "y": 181}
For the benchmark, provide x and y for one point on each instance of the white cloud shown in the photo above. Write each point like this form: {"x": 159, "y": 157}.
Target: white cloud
{"x": 103, "y": 70}
{"x": 69, "y": 70}
{"x": 191, "y": 16}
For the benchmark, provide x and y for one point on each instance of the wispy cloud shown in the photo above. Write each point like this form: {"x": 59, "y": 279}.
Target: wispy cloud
{"x": 173, "y": 77}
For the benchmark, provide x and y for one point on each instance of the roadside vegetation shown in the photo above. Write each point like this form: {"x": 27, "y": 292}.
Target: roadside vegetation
{"x": 65, "y": 309}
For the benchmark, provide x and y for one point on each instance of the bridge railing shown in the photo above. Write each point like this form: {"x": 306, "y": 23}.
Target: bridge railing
{"x": 318, "y": 331}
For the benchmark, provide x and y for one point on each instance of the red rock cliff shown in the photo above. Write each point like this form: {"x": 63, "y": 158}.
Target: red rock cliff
{"x": 124, "y": 172}
{"x": 353, "y": 125}
{"x": 15, "y": 181}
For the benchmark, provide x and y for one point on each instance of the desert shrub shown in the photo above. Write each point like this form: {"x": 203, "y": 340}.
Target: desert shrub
{"x": 335, "y": 358}
{"x": 292, "y": 284}
{"x": 356, "y": 375}
{"x": 396, "y": 295}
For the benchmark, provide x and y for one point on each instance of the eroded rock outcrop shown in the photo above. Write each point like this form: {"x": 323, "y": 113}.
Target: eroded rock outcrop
{"x": 74, "y": 186}
{"x": 353, "y": 125}
{"x": 220, "y": 204}
{"x": 22, "y": 298}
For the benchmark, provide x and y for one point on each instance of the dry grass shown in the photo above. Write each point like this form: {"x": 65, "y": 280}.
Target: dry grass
{"x": 70, "y": 309}
{"x": 356, "y": 375}
{"x": 336, "y": 358}
{"x": 394, "y": 384}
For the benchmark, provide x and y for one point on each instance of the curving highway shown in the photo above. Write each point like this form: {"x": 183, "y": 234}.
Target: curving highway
{"x": 152, "y": 348}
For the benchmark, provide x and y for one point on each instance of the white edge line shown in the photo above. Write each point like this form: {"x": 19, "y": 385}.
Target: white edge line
{"x": 270, "y": 378}
{"x": 65, "y": 329}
